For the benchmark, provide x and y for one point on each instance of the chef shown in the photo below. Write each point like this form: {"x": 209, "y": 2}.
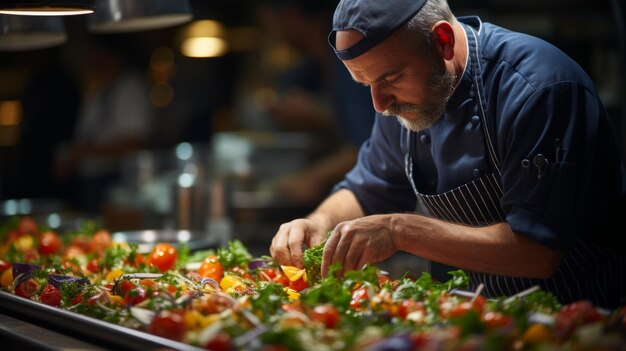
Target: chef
{"x": 491, "y": 152}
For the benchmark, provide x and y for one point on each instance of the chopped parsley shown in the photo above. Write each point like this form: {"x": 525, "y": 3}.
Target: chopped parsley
{"x": 236, "y": 255}
{"x": 312, "y": 258}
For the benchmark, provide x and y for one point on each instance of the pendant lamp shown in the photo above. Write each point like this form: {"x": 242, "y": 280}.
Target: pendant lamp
{"x": 19, "y": 33}
{"x": 113, "y": 16}
{"x": 47, "y": 8}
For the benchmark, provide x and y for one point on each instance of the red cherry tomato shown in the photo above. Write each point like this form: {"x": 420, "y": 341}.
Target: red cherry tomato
{"x": 82, "y": 241}
{"x": 163, "y": 256}
{"x": 100, "y": 241}
{"x": 135, "y": 259}
{"x": 573, "y": 315}
{"x": 31, "y": 255}
{"x": 51, "y": 295}
{"x": 383, "y": 279}
{"x": 464, "y": 307}
{"x": 421, "y": 340}
{"x": 124, "y": 286}
{"x": 93, "y": 265}
{"x": 292, "y": 306}
{"x": 326, "y": 314}
{"x": 281, "y": 279}
{"x": 212, "y": 268}
{"x": 49, "y": 243}
{"x": 409, "y": 306}
{"x": 27, "y": 225}
{"x": 220, "y": 342}
{"x": 479, "y": 302}
{"x": 298, "y": 285}
{"x": 273, "y": 274}
{"x": 149, "y": 284}
{"x": 73, "y": 251}
{"x": 77, "y": 299}
{"x": 4, "y": 265}
{"x": 496, "y": 320}
{"x": 169, "y": 324}
{"x": 27, "y": 288}
{"x": 275, "y": 348}
{"x": 460, "y": 309}
{"x": 135, "y": 296}
{"x": 358, "y": 297}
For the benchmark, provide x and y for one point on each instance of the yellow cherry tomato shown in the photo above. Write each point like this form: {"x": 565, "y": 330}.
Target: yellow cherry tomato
{"x": 114, "y": 274}
{"x": 24, "y": 243}
{"x": 230, "y": 282}
{"x": 537, "y": 333}
{"x": 195, "y": 320}
{"x": 7, "y": 277}
{"x": 116, "y": 300}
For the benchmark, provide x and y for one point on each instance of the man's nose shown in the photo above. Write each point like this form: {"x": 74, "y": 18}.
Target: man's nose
{"x": 381, "y": 99}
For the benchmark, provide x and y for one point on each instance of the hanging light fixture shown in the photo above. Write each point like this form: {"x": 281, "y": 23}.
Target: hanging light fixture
{"x": 47, "y": 8}
{"x": 204, "y": 39}
{"x": 113, "y": 16}
{"x": 19, "y": 33}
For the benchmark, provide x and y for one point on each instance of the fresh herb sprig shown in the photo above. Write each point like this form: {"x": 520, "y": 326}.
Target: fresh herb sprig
{"x": 312, "y": 258}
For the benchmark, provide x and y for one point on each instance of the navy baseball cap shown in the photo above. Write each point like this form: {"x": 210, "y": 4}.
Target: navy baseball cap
{"x": 375, "y": 19}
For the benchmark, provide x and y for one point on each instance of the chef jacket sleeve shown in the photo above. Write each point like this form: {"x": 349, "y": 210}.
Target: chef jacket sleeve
{"x": 551, "y": 201}
{"x": 378, "y": 180}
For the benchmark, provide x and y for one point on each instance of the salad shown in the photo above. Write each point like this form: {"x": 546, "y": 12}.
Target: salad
{"x": 226, "y": 299}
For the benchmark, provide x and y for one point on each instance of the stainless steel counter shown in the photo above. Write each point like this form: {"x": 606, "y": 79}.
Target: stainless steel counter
{"x": 32, "y": 325}
{"x": 17, "y": 334}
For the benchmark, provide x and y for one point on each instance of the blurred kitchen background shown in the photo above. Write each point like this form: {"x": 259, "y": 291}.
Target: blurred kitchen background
{"x": 165, "y": 123}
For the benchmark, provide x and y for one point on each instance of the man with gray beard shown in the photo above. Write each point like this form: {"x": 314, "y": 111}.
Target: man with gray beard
{"x": 503, "y": 144}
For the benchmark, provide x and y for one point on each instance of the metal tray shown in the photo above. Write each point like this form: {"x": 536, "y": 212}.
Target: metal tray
{"x": 146, "y": 239}
{"x": 86, "y": 328}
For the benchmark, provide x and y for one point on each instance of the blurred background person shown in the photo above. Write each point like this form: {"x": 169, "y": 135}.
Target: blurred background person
{"x": 315, "y": 94}
{"x": 114, "y": 119}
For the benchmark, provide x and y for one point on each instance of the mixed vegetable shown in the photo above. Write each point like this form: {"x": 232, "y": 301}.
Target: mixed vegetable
{"x": 225, "y": 299}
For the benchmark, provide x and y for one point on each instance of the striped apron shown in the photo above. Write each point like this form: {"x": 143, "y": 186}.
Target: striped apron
{"x": 587, "y": 271}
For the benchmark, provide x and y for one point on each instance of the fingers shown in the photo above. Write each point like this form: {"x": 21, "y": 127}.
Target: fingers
{"x": 343, "y": 249}
{"x": 286, "y": 246}
{"x": 296, "y": 238}
{"x": 279, "y": 249}
{"x": 329, "y": 251}
{"x": 355, "y": 258}
{"x": 354, "y": 244}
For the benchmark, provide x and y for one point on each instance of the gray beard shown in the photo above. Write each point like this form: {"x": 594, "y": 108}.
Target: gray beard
{"x": 441, "y": 85}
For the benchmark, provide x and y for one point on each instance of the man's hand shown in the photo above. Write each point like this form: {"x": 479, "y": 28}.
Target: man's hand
{"x": 358, "y": 242}
{"x": 286, "y": 248}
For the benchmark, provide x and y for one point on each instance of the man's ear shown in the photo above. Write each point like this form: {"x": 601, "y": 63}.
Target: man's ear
{"x": 444, "y": 39}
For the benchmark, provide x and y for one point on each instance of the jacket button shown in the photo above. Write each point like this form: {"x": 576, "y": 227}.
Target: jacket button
{"x": 476, "y": 172}
{"x": 475, "y": 120}
{"x": 424, "y": 139}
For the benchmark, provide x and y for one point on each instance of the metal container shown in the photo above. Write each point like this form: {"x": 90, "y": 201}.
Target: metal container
{"x": 146, "y": 239}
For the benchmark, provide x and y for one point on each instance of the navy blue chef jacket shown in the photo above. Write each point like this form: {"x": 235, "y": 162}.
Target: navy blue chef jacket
{"x": 529, "y": 114}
